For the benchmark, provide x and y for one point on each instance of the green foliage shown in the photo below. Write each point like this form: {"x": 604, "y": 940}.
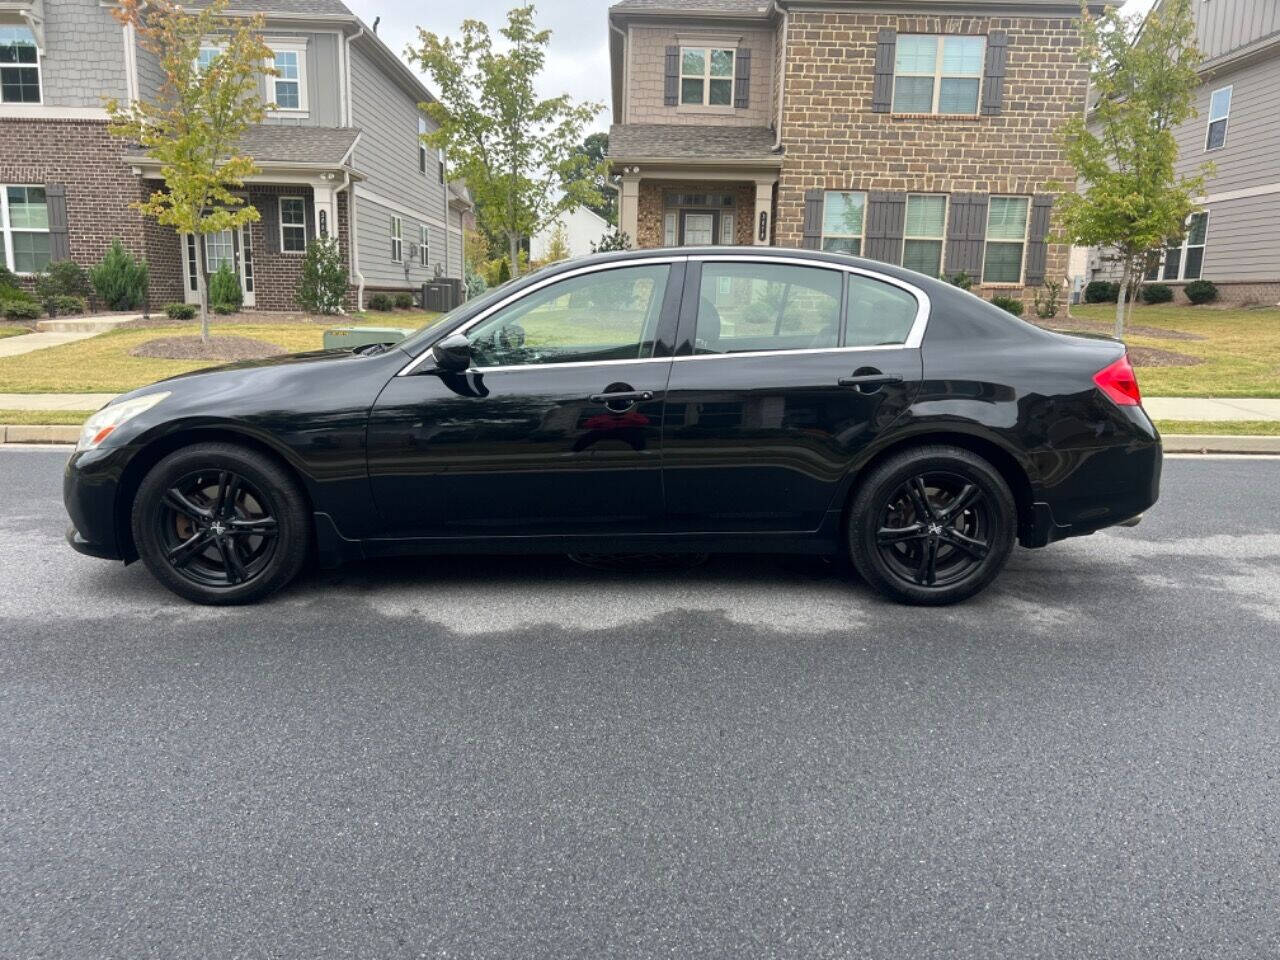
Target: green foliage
{"x": 8, "y": 279}
{"x": 224, "y": 309}
{"x": 613, "y": 240}
{"x": 1156, "y": 293}
{"x": 66, "y": 304}
{"x": 558, "y": 248}
{"x": 1143, "y": 76}
{"x": 959, "y": 279}
{"x": 224, "y": 289}
{"x": 120, "y": 279}
{"x": 504, "y": 271}
{"x": 381, "y": 301}
{"x": 403, "y": 301}
{"x": 475, "y": 281}
{"x": 20, "y": 309}
{"x": 180, "y": 311}
{"x": 596, "y": 148}
{"x": 1201, "y": 291}
{"x": 520, "y": 155}
{"x": 1101, "y": 291}
{"x": 1011, "y": 304}
{"x": 324, "y": 277}
{"x": 1046, "y": 303}
{"x": 62, "y": 279}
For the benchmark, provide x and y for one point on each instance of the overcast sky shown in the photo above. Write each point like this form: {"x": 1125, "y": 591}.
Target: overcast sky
{"x": 578, "y": 60}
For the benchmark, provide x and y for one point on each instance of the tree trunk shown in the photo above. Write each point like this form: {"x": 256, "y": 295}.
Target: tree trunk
{"x": 513, "y": 242}
{"x": 1122, "y": 298}
{"x": 202, "y": 287}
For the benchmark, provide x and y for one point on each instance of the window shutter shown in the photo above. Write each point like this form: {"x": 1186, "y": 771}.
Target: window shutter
{"x": 993, "y": 74}
{"x": 965, "y": 233}
{"x": 1038, "y": 238}
{"x": 55, "y": 195}
{"x": 742, "y": 79}
{"x": 886, "y": 217}
{"x": 882, "y": 92}
{"x": 671, "y": 84}
{"x": 812, "y": 220}
{"x": 270, "y": 212}
{"x": 310, "y": 209}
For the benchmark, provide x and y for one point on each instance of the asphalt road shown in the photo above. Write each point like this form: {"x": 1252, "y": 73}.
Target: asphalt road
{"x": 755, "y": 758}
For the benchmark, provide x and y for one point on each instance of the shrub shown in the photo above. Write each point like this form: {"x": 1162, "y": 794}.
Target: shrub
{"x": 1101, "y": 291}
{"x": 1201, "y": 291}
{"x": 62, "y": 279}
{"x": 404, "y": 301}
{"x": 504, "y": 272}
{"x": 120, "y": 279}
{"x": 181, "y": 311}
{"x": 65, "y": 304}
{"x": 1156, "y": 293}
{"x": 8, "y": 279}
{"x": 1047, "y": 304}
{"x": 381, "y": 301}
{"x": 224, "y": 289}
{"x": 1011, "y": 304}
{"x": 613, "y": 240}
{"x": 324, "y": 277}
{"x": 20, "y": 310}
{"x": 222, "y": 309}
{"x": 475, "y": 282}
{"x": 959, "y": 279}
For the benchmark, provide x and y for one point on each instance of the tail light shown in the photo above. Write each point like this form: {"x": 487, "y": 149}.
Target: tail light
{"x": 1119, "y": 382}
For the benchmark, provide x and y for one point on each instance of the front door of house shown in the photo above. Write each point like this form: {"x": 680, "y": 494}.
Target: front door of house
{"x": 698, "y": 228}
{"x": 231, "y": 247}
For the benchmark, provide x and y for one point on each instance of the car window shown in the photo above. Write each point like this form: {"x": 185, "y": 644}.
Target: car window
{"x": 877, "y": 313}
{"x": 604, "y": 315}
{"x": 745, "y": 307}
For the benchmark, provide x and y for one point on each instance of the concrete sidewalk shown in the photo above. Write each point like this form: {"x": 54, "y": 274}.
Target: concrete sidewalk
{"x": 29, "y": 342}
{"x": 53, "y": 401}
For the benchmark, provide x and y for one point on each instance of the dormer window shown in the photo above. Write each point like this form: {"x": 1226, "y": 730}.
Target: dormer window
{"x": 289, "y": 85}
{"x": 706, "y": 76}
{"x": 19, "y": 66}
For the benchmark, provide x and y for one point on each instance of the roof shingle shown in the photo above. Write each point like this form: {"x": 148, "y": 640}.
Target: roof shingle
{"x": 290, "y": 144}
{"x": 744, "y": 8}
{"x": 322, "y": 8}
{"x": 635, "y": 141}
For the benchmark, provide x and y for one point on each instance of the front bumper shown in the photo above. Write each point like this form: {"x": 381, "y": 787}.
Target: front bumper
{"x": 89, "y": 485}
{"x": 80, "y": 545}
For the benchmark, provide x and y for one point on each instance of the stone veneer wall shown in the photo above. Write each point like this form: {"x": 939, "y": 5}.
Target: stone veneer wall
{"x": 651, "y": 209}
{"x": 833, "y": 141}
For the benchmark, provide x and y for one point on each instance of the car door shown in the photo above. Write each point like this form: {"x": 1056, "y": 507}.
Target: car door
{"x": 556, "y": 426}
{"x": 785, "y": 370}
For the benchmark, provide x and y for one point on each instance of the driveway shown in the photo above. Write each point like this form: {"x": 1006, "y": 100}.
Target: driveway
{"x": 754, "y": 758}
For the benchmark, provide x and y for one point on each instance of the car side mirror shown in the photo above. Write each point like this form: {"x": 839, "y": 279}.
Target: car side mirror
{"x": 453, "y": 353}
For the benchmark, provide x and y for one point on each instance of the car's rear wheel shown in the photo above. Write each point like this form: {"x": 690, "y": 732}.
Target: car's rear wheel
{"x": 219, "y": 524}
{"x": 932, "y": 525}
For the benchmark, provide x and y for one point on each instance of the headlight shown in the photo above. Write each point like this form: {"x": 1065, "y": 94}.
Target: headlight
{"x": 101, "y": 425}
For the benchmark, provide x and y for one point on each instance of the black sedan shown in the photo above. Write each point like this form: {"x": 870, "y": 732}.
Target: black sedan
{"x": 662, "y": 401}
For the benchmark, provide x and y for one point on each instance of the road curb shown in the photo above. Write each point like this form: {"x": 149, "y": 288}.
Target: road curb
{"x": 32, "y": 433}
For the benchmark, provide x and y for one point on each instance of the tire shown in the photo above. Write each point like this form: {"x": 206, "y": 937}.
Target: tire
{"x": 219, "y": 524}
{"x": 934, "y": 498}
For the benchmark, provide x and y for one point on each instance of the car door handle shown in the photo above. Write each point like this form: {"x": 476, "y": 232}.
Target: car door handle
{"x": 869, "y": 380}
{"x": 624, "y": 396}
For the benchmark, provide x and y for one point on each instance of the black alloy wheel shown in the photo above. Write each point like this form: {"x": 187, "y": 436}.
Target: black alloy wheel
{"x": 217, "y": 523}
{"x": 933, "y": 525}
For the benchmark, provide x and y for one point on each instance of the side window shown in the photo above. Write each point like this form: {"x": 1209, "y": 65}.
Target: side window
{"x": 747, "y": 307}
{"x": 604, "y": 315}
{"x": 877, "y": 314}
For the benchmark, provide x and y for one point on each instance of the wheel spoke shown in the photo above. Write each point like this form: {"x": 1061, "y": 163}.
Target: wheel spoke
{"x": 230, "y": 495}
{"x": 260, "y": 527}
{"x": 975, "y": 548}
{"x": 963, "y": 499}
{"x": 182, "y": 554}
{"x": 927, "y": 571}
{"x": 920, "y": 498}
{"x": 232, "y": 565}
{"x": 179, "y": 501}
{"x": 891, "y": 535}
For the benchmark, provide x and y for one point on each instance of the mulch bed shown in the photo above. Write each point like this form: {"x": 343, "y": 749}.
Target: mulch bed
{"x": 1155, "y": 357}
{"x": 1067, "y": 324}
{"x": 158, "y": 320}
{"x": 221, "y": 347}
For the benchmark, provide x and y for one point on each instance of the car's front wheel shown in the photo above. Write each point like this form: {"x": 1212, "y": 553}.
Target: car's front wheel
{"x": 219, "y": 524}
{"x": 932, "y": 525}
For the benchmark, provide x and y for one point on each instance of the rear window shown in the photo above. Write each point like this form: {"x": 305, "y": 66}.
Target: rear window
{"x": 749, "y": 307}
{"x": 877, "y": 313}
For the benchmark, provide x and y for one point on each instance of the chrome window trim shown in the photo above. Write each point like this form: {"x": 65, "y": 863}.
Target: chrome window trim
{"x": 913, "y": 341}
{"x": 525, "y": 291}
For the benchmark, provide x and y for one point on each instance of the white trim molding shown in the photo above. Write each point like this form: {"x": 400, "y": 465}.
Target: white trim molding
{"x": 37, "y": 111}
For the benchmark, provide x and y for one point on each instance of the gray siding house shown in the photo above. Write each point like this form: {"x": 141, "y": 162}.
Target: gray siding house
{"x": 1235, "y": 239}
{"x": 339, "y": 156}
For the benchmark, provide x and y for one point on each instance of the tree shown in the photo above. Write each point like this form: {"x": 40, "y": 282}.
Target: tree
{"x": 615, "y": 239}
{"x": 194, "y": 125}
{"x": 518, "y": 154}
{"x": 596, "y": 147}
{"x": 324, "y": 277}
{"x": 558, "y": 246}
{"x": 1143, "y": 74}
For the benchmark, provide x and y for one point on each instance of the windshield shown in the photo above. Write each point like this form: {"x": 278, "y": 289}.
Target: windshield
{"x": 411, "y": 342}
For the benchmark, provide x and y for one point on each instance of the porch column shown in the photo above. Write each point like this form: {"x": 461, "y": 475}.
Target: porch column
{"x": 326, "y": 203}
{"x": 629, "y": 203}
{"x": 761, "y": 226}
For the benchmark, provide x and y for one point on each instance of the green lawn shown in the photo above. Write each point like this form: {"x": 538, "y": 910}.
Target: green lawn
{"x": 8, "y": 330}
{"x": 102, "y": 364}
{"x": 44, "y": 417}
{"x": 1240, "y": 349}
{"x": 1233, "y": 428}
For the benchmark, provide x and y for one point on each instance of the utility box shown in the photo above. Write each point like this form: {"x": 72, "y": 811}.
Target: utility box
{"x": 441, "y": 295}
{"x": 347, "y": 338}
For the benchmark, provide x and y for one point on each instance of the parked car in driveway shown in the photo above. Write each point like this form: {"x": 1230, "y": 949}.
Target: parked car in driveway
{"x": 701, "y": 399}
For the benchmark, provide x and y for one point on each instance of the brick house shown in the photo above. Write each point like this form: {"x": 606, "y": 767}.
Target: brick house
{"x": 921, "y": 132}
{"x": 344, "y": 140}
